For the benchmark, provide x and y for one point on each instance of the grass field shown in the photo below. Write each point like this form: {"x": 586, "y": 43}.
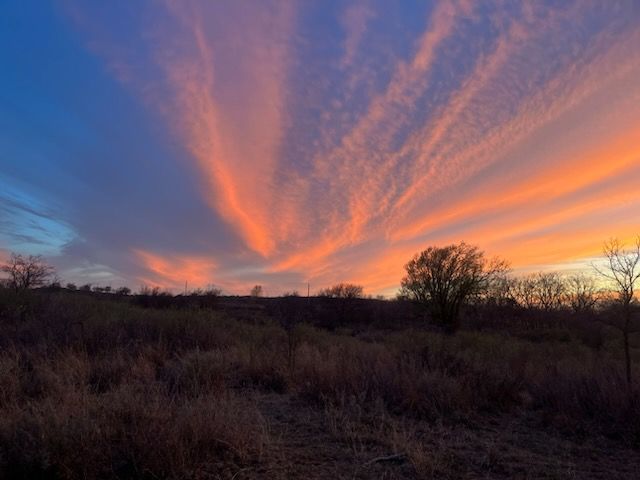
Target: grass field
{"x": 93, "y": 386}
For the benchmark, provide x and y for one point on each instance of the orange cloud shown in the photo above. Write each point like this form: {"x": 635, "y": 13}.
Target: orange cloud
{"x": 473, "y": 146}
{"x": 526, "y": 143}
{"x": 530, "y": 195}
{"x": 231, "y": 114}
{"x": 351, "y": 170}
{"x": 173, "y": 271}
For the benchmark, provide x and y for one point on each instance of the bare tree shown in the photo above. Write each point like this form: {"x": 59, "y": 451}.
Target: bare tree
{"x": 212, "y": 291}
{"x": 550, "y": 291}
{"x": 26, "y": 271}
{"x": 500, "y": 290}
{"x": 342, "y": 290}
{"x": 622, "y": 269}
{"x": 256, "y": 291}
{"x": 443, "y": 278}
{"x": 582, "y": 294}
{"x": 523, "y": 291}
{"x": 542, "y": 290}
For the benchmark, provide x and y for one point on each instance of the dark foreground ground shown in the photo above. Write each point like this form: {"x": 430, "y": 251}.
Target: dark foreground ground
{"x": 97, "y": 388}
{"x": 330, "y": 444}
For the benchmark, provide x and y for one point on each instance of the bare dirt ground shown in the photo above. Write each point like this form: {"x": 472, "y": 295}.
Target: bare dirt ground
{"x": 314, "y": 443}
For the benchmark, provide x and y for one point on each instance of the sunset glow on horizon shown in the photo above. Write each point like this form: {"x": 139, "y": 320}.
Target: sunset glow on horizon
{"x": 283, "y": 143}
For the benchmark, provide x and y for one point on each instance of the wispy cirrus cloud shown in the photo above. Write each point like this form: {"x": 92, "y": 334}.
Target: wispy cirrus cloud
{"x": 27, "y": 223}
{"x": 229, "y": 107}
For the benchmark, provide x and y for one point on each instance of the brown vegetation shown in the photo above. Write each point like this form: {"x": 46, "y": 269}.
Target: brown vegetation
{"x": 95, "y": 386}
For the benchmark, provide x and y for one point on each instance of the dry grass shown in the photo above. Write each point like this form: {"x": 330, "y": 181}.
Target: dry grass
{"x": 91, "y": 388}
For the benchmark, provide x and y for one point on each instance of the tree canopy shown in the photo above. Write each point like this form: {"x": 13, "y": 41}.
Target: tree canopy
{"x": 443, "y": 278}
{"x": 342, "y": 290}
{"x": 26, "y": 272}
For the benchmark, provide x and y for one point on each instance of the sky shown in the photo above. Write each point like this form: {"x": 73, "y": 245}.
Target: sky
{"x": 284, "y": 143}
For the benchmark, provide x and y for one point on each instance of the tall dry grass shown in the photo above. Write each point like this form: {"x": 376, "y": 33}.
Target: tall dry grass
{"x": 91, "y": 388}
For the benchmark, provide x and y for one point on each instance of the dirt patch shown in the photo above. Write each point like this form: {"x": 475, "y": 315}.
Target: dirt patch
{"x": 315, "y": 443}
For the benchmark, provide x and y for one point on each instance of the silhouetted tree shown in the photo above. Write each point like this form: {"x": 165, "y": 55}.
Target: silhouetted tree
{"x": 256, "y": 291}
{"x": 550, "y": 290}
{"x": 26, "y": 272}
{"x": 523, "y": 291}
{"x": 543, "y": 290}
{"x": 145, "y": 290}
{"x": 622, "y": 269}
{"x": 342, "y": 290}
{"x": 443, "y": 279}
{"x": 54, "y": 282}
{"x": 123, "y": 291}
{"x": 582, "y": 294}
{"x": 212, "y": 291}
{"x": 499, "y": 291}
